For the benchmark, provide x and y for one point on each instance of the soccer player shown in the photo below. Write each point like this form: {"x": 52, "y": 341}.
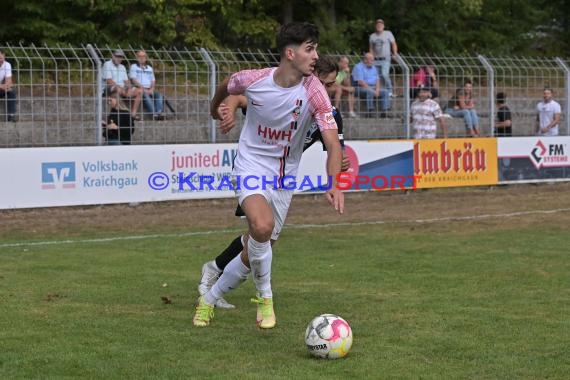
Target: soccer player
{"x": 325, "y": 69}
{"x": 281, "y": 104}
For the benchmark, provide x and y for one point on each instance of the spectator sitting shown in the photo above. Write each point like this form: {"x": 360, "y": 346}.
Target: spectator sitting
{"x": 367, "y": 85}
{"x": 503, "y": 123}
{"x": 142, "y": 77}
{"x": 7, "y": 90}
{"x": 462, "y": 105}
{"x": 343, "y": 86}
{"x": 424, "y": 76}
{"x": 120, "y": 125}
{"x": 115, "y": 77}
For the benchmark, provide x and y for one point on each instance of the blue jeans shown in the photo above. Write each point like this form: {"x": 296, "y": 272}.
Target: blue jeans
{"x": 383, "y": 67}
{"x": 153, "y": 102}
{"x": 368, "y": 94}
{"x": 10, "y": 101}
{"x": 469, "y": 115}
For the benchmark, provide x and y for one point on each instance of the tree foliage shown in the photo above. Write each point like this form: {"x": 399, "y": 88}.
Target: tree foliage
{"x": 433, "y": 26}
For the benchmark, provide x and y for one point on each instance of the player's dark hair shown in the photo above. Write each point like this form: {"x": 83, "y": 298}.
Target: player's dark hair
{"x": 326, "y": 65}
{"x": 295, "y": 33}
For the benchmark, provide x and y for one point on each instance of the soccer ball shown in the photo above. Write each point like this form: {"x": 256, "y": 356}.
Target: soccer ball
{"x": 328, "y": 336}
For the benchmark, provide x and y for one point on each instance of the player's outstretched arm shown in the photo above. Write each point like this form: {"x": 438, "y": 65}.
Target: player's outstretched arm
{"x": 334, "y": 160}
{"x": 219, "y": 96}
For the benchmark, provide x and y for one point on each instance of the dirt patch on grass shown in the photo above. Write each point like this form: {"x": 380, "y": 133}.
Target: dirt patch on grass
{"x": 369, "y": 206}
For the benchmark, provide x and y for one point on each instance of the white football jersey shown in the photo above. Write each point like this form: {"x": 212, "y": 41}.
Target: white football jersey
{"x": 277, "y": 120}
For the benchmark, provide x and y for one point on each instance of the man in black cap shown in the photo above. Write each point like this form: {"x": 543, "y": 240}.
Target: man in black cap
{"x": 116, "y": 79}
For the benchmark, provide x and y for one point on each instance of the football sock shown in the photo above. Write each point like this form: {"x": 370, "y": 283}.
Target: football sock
{"x": 234, "y": 274}
{"x": 231, "y": 251}
{"x": 260, "y": 256}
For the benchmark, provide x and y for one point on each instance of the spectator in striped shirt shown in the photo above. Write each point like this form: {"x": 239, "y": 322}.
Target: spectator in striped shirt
{"x": 425, "y": 115}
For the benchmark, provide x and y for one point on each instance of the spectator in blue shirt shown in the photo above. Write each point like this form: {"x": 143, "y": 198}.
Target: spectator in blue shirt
{"x": 367, "y": 85}
{"x": 142, "y": 76}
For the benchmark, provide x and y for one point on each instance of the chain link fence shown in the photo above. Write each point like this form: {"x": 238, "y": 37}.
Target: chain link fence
{"x": 59, "y": 93}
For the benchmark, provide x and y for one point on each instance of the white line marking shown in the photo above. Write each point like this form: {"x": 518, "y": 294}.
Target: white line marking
{"x": 432, "y": 220}
{"x": 116, "y": 238}
{"x": 287, "y": 226}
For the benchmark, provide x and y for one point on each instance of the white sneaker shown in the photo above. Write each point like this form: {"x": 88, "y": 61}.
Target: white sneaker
{"x": 210, "y": 274}
{"x": 353, "y": 115}
{"x": 223, "y": 304}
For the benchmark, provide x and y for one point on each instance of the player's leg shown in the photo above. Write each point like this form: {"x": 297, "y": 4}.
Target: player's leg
{"x": 212, "y": 270}
{"x": 257, "y": 255}
{"x": 235, "y": 272}
{"x": 280, "y": 202}
{"x": 260, "y": 219}
{"x": 228, "y": 254}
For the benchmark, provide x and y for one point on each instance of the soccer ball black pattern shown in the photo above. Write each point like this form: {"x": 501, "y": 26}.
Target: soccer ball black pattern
{"x": 328, "y": 336}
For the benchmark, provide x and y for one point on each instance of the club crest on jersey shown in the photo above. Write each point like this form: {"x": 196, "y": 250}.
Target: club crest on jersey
{"x": 297, "y": 109}
{"x": 329, "y": 118}
{"x": 296, "y": 113}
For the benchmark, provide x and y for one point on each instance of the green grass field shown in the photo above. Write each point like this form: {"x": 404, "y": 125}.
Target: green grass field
{"x": 453, "y": 300}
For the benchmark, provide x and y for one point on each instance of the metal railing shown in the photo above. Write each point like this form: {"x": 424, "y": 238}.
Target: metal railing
{"x": 59, "y": 93}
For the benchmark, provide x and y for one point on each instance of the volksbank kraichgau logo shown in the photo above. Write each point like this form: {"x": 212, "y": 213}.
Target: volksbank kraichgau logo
{"x": 549, "y": 155}
{"x": 58, "y": 175}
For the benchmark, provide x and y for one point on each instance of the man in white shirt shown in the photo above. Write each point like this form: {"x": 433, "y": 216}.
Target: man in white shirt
{"x": 115, "y": 78}
{"x": 548, "y": 116}
{"x": 142, "y": 76}
{"x": 7, "y": 90}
